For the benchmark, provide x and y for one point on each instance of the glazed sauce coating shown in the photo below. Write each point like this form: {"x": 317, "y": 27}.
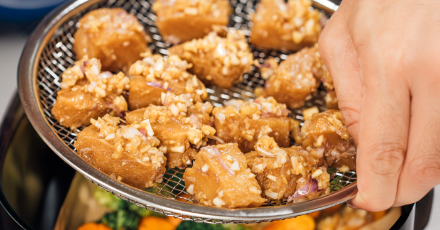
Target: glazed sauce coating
{"x": 219, "y": 58}
{"x": 130, "y": 154}
{"x": 221, "y": 178}
{"x": 327, "y": 130}
{"x": 181, "y": 20}
{"x": 178, "y": 125}
{"x": 111, "y": 35}
{"x": 283, "y": 171}
{"x": 286, "y": 25}
{"x": 155, "y": 74}
{"x": 297, "y": 78}
{"x": 245, "y": 122}
{"x": 87, "y": 93}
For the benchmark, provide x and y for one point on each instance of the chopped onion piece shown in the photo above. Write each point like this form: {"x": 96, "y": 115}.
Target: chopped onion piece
{"x": 271, "y": 194}
{"x": 130, "y": 132}
{"x": 92, "y": 86}
{"x": 310, "y": 187}
{"x": 214, "y": 150}
{"x": 105, "y": 75}
{"x": 205, "y": 168}
{"x": 190, "y": 189}
{"x": 178, "y": 149}
{"x": 264, "y": 152}
{"x": 235, "y": 166}
{"x": 218, "y": 139}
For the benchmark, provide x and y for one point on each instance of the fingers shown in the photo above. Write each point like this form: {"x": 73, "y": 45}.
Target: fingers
{"x": 339, "y": 55}
{"x": 383, "y": 129}
{"x": 421, "y": 171}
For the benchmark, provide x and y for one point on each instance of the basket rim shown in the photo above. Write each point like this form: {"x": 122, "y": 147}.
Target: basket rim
{"x": 28, "y": 91}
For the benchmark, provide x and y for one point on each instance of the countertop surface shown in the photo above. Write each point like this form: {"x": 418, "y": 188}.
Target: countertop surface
{"x": 12, "y": 41}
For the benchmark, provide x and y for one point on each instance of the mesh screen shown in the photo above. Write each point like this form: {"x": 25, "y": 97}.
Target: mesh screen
{"x": 58, "y": 55}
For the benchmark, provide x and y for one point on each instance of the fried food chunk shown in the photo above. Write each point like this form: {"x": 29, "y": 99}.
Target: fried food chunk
{"x": 220, "y": 58}
{"x": 327, "y": 131}
{"x": 155, "y": 74}
{"x": 181, "y": 20}
{"x": 297, "y": 78}
{"x": 283, "y": 172}
{"x": 126, "y": 153}
{"x": 111, "y": 35}
{"x": 346, "y": 219}
{"x": 331, "y": 101}
{"x": 178, "y": 125}
{"x": 286, "y": 26}
{"x": 244, "y": 122}
{"x": 87, "y": 93}
{"x": 221, "y": 178}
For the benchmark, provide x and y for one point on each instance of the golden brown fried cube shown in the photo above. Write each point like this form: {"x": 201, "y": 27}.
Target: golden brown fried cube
{"x": 181, "y": 20}
{"x": 221, "y": 178}
{"x": 347, "y": 219}
{"x": 282, "y": 171}
{"x": 155, "y": 74}
{"x": 245, "y": 122}
{"x": 327, "y": 131}
{"x": 286, "y": 26}
{"x": 180, "y": 132}
{"x": 216, "y": 59}
{"x": 126, "y": 153}
{"x": 331, "y": 101}
{"x": 295, "y": 131}
{"x": 87, "y": 93}
{"x": 111, "y": 35}
{"x": 297, "y": 78}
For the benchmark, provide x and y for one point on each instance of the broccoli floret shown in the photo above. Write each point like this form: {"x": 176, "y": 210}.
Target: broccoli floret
{"x": 190, "y": 225}
{"x": 125, "y": 216}
{"x": 108, "y": 200}
{"x": 235, "y": 227}
{"x": 121, "y": 220}
{"x": 143, "y": 212}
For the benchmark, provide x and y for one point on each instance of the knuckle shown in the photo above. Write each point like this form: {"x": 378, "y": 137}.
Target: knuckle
{"x": 424, "y": 162}
{"x": 387, "y": 157}
{"x": 426, "y": 168}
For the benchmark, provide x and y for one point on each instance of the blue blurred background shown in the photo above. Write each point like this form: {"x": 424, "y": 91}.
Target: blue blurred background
{"x": 26, "y": 10}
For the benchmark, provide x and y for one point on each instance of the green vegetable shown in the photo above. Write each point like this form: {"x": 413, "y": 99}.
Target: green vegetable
{"x": 189, "y": 225}
{"x": 125, "y": 215}
{"x": 121, "y": 220}
{"x": 108, "y": 200}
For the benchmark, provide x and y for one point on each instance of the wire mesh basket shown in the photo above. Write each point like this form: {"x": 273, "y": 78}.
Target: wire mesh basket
{"x": 49, "y": 53}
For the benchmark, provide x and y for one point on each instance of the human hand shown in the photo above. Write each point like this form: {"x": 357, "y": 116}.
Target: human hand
{"x": 384, "y": 58}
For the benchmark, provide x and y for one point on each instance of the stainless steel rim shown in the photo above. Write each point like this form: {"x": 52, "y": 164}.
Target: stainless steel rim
{"x": 28, "y": 90}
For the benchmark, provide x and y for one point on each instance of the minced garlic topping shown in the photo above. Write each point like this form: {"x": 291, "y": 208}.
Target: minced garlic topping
{"x": 99, "y": 84}
{"x": 138, "y": 139}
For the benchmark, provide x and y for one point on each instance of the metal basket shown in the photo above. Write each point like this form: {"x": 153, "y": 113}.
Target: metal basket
{"x": 49, "y": 52}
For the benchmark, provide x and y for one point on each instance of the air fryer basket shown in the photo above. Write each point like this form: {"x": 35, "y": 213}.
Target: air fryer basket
{"x": 49, "y": 52}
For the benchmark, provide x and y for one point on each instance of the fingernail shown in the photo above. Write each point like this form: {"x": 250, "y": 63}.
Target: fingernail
{"x": 350, "y": 204}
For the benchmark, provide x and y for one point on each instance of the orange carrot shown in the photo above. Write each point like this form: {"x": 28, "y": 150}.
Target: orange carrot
{"x": 174, "y": 221}
{"x": 314, "y": 215}
{"x": 155, "y": 223}
{"x": 182, "y": 197}
{"x": 305, "y": 222}
{"x": 93, "y": 226}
